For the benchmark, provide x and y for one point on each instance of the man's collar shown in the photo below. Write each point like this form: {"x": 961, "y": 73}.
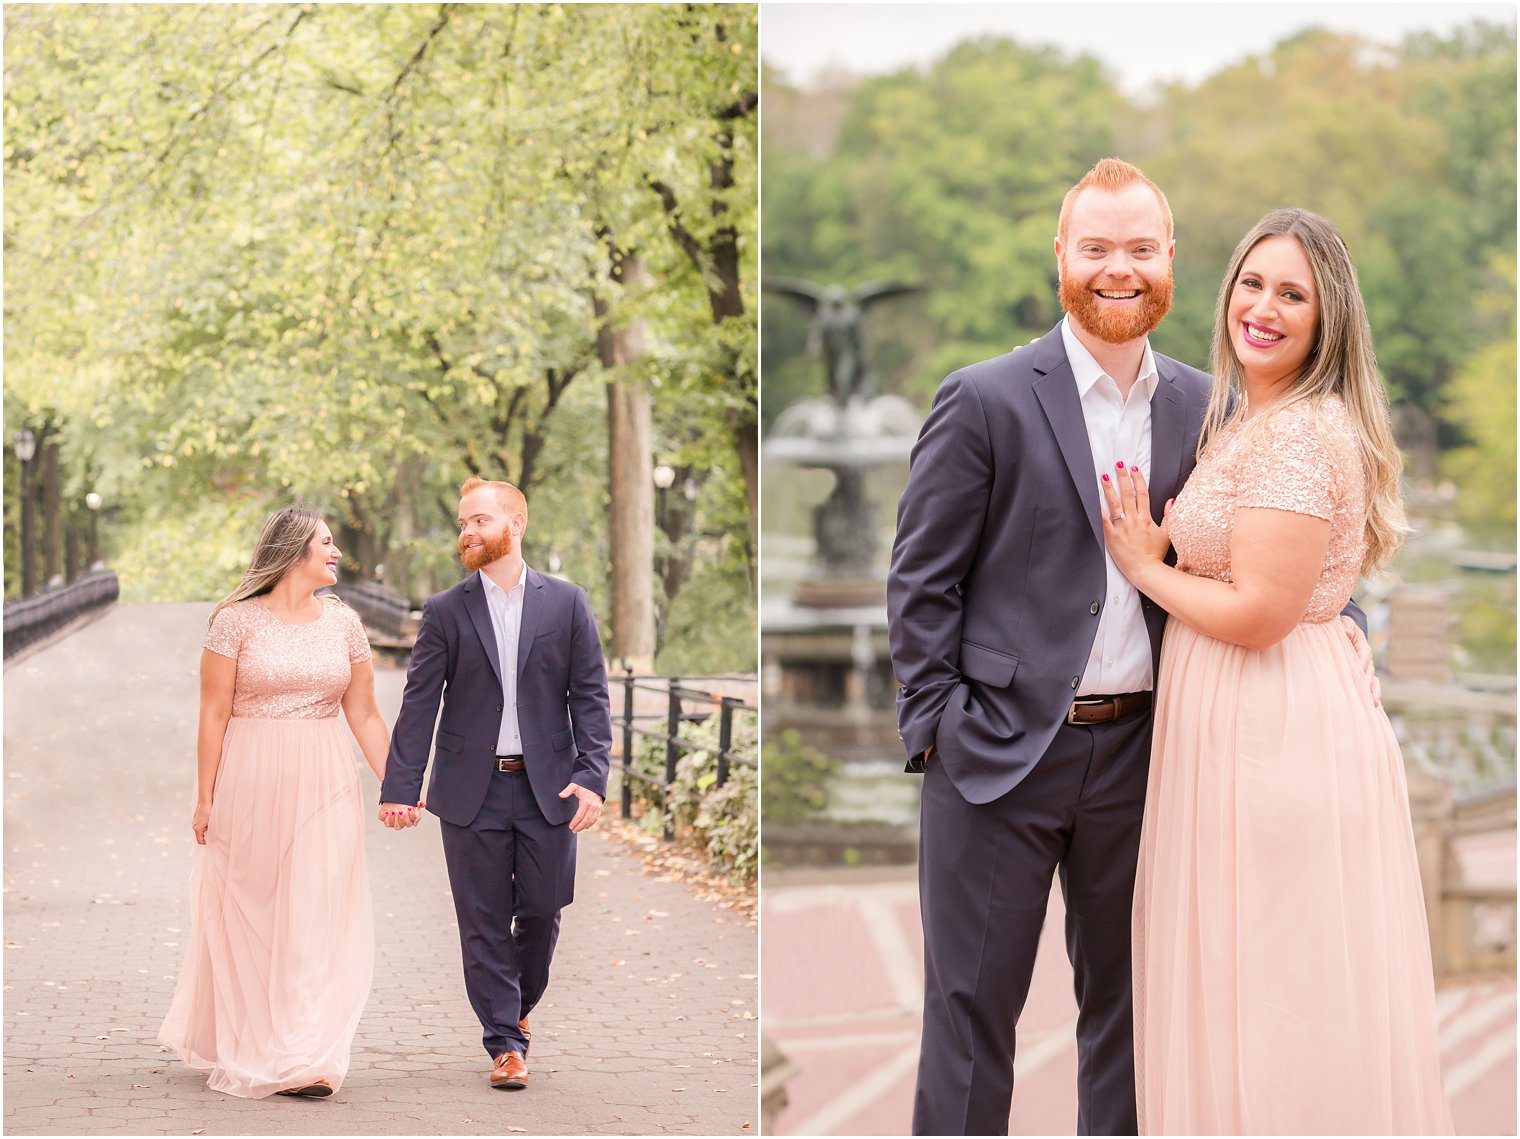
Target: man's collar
{"x": 492, "y": 587}
{"x": 1087, "y": 371}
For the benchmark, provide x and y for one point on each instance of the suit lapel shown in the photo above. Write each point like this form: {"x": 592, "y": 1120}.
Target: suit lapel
{"x": 479, "y": 609}
{"x": 1057, "y": 392}
{"x": 532, "y": 610}
{"x": 1166, "y": 441}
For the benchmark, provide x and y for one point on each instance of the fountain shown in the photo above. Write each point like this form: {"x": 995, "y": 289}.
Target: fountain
{"x": 825, "y": 660}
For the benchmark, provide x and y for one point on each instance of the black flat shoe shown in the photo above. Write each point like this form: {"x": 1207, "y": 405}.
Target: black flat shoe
{"x": 310, "y": 1091}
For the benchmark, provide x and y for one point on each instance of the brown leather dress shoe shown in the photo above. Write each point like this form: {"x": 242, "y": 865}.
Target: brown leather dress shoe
{"x": 523, "y": 1027}
{"x": 511, "y": 1071}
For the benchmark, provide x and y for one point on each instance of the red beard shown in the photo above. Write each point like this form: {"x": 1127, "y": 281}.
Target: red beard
{"x": 490, "y": 550}
{"x": 1116, "y": 326}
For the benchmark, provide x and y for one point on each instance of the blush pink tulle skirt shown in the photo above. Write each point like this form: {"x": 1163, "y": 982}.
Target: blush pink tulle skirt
{"x": 1283, "y": 980}
{"x": 281, "y": 948}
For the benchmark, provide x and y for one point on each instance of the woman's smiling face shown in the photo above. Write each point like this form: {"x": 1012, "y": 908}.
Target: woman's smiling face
{"x": 1274, "y": 310}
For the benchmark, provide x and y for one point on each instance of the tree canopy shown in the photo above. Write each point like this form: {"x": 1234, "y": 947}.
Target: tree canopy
{"x": 953, "y": 175}
{"x": 355, "y": 253}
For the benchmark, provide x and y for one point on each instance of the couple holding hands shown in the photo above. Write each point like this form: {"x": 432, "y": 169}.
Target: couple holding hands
{"x": 281, "y": 950}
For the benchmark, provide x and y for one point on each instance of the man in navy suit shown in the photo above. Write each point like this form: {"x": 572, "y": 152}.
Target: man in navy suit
{"x": 521, "y": 759}
{"x": 1027, "y": 661}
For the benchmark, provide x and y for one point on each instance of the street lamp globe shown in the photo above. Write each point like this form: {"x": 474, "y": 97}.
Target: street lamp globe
{"x": 93, "y": 500}
{"x": 26, "y": 445}
{"x": 664, "y": 476}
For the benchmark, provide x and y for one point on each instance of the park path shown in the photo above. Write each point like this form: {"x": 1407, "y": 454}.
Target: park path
{"x": 648, "y": 1028}
{"x": 843, "y": 996}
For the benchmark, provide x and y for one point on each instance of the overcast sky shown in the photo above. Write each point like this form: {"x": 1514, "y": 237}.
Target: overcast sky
{"x": 1141, "y": 44}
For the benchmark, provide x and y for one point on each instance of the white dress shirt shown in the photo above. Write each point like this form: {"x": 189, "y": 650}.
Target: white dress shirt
{"x": 506, "y": 618}
{"x": 1117, "y": 429}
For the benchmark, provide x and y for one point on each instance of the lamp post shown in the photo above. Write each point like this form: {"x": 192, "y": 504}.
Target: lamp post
{"x": 93, "y": 501}
{"x": 26, "y": 447}
{"x": 664, "y": 478}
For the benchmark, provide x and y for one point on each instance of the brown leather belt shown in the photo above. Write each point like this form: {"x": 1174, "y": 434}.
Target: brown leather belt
{"x": 1106, "y": 709}
{"x": 510, "y": 763}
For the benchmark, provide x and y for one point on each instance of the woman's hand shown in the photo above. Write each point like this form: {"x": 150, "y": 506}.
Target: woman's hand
{"x": 200, "y": 821}
{"x": 1133, "y": 540}
{"x": 398, "y": 816}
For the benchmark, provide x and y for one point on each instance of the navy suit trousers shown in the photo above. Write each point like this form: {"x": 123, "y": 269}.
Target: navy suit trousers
{"x": 985, "y": 873}
{"x": 511, "y": 871}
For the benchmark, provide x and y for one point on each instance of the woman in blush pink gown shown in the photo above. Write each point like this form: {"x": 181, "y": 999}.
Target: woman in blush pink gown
{"x": 1282, "y": 965}
{"x": 281, "y": 946}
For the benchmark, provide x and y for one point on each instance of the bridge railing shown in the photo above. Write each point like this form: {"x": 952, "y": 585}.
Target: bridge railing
{"x": 383, "y": 611}
{"x": 1459, "y": 747}
{"x": 33, "y": 619}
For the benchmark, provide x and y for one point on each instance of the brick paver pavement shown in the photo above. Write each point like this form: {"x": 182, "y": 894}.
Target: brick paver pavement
{"x": 843, "y": 994}
{"x": 648, "y": 1027}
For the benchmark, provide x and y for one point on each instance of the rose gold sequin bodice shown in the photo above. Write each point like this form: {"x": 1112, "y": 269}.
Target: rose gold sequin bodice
{"x": 284, "y": 671}
{"x": 1297, "y": 458}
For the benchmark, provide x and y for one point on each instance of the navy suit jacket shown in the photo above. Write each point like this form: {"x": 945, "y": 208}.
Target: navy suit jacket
{"x": 562, "y": 707}
{"x": 998, "y": 576}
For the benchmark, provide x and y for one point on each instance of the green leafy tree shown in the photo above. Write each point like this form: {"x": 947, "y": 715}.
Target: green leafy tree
{"x": 1481, "y": 401}
{"x": 356, "y": 253}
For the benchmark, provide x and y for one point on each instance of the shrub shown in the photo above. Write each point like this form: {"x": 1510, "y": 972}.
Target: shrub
{"x": 723, "y": 821}
{"x": 797, "y": 779}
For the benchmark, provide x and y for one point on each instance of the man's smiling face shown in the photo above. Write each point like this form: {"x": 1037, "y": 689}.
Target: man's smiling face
{"x": 1115, "y": 263}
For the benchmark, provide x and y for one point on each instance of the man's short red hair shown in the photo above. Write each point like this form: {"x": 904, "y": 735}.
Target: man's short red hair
{"x": 1111, "y": 174}
{"x": 511, "y": 499}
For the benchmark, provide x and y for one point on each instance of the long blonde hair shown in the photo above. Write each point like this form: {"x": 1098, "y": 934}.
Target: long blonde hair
{"x": 282, "y": 543}
{"x": 1341, "y": 362}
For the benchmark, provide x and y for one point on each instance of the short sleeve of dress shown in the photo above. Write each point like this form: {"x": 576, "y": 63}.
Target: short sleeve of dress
{"x": 358, "y": 641}
{"x": 225, "y": 637}
{"x": 1288, "y": 464}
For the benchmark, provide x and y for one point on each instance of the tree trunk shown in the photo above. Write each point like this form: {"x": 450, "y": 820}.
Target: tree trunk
{"x": 398, "y": 567}
{"x": 674, "y": 519}
{"x": 72, "y": 547}
{"x": 719, "y": 262}
{"x": 52, "y": 513}
{"x": 747, "y": 445}
{"x": 629, "y": 476}
{"x": 1415, "y": 430}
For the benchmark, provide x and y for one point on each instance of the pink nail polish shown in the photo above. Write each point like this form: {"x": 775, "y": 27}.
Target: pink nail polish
{"x": 1120, "y": 464}
{"x": 1105, "y": 478}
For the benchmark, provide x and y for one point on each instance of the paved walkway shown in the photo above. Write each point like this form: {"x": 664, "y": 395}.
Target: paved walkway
{"x": 843, "y": 969}
{"x": 648, "y": 1027}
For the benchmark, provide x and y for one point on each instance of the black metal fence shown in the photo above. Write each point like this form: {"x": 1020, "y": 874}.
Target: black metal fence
{"x": 380, "y": 608}
{"x": 678, "y": 697}
{"x": 38, "y": 617}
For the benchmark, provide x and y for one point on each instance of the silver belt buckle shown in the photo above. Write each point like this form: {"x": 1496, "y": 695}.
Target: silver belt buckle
{"x": 1081, "y": 702}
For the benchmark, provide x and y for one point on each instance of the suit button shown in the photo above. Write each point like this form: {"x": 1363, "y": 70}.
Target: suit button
{"x": 1093, "y": 608}
{"x": 1075, "y": 681}
{"x": 498, "y": 707}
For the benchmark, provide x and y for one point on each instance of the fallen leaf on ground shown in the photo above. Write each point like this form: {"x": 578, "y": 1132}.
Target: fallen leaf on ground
{"x": 673, "y": 862}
